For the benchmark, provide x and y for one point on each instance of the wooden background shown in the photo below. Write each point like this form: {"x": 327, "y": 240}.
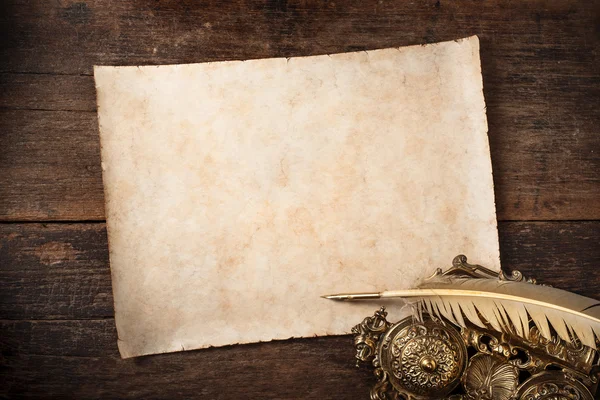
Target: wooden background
{"x": 57, "y": 334}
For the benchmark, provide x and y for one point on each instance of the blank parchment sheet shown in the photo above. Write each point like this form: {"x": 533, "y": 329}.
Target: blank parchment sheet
{"x": 239, "y": 192}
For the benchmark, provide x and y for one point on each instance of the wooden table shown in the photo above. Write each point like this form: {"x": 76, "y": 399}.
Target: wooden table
{"x": 57, "y": 334}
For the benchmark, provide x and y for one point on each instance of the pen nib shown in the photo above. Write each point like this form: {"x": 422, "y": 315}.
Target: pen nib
{"x": 352, "y": 296}
{"x": 335, "y": 297}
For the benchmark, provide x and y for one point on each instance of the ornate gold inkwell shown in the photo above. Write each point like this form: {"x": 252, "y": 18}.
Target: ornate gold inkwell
{"x": 481, "y": 335}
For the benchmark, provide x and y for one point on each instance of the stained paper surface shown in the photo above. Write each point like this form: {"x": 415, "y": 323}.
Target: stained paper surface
{"x": 238, "y": 193}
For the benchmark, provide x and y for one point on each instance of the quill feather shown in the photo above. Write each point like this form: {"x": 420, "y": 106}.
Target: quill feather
{"x": 508, "y": 306}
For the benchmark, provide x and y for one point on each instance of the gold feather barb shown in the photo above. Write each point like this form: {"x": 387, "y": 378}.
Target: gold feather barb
{"x": 506, "y": 306}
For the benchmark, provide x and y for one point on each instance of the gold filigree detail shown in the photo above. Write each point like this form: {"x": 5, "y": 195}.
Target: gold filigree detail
{"x": 572, "y": 354}
{"x": 430, "y": 361}
{"x": 554, "y": 385}
{"x": 490, "y": 378}
{"x": 366, "y": 335}
{"x": 426, "y": 358}
{"x": 383, "y": 389}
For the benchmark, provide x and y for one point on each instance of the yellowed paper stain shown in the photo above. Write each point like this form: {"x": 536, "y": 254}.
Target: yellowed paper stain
{"x": 238, "y": 193}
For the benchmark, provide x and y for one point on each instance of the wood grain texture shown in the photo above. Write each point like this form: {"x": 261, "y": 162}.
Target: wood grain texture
{"x": 50, "y": 163}
{"x": 55, "y": 271}
{"x": 540, "y": 67}
{"x": 320, "y": 368}
{"x": 58, "y": 336}
{"x": 47, "y": 92}
{"x": 68, "y": 37}
{"x": 60, "y": 271}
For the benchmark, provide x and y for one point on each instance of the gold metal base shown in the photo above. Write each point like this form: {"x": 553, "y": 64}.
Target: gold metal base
{"x": 435, "y": 359}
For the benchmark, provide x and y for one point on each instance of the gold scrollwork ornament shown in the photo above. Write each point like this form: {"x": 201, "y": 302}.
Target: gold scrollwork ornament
{"x": 428, "y": 358}
{"x": 490, "y": 377}
{"x": 424, "y": 359}
{"x": 553, "y": 385}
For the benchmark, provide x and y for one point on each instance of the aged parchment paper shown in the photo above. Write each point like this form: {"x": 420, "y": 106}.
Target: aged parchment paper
{"x": 239, "y": 192}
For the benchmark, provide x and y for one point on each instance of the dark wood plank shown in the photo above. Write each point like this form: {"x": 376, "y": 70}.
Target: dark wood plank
{"x": 65, "y": 267}
{"x": 562, "y": 254}
{"x": 68, "y": 37}
{"x": 47, "y": 92}
{"x": 60, "y": 338}
{"x": 541, "y": 78}
{"x": 320, "y": 368}
{"x": 544, "y": 168}
{"x": 60, "y": 271}
{"x": 539, "y": 64}
{"x": 54, "y": 271}
{"x": 50, "y": 166}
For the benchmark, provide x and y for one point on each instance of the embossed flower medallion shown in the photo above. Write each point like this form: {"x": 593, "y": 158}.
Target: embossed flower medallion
{"x": 553, "y": 386}
{"x": 423, "y": 359}
{"x": 427, "y": 360}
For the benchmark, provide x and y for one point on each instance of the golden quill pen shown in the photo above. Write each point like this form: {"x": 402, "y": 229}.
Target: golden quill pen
{"x": 506, "y": 306}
